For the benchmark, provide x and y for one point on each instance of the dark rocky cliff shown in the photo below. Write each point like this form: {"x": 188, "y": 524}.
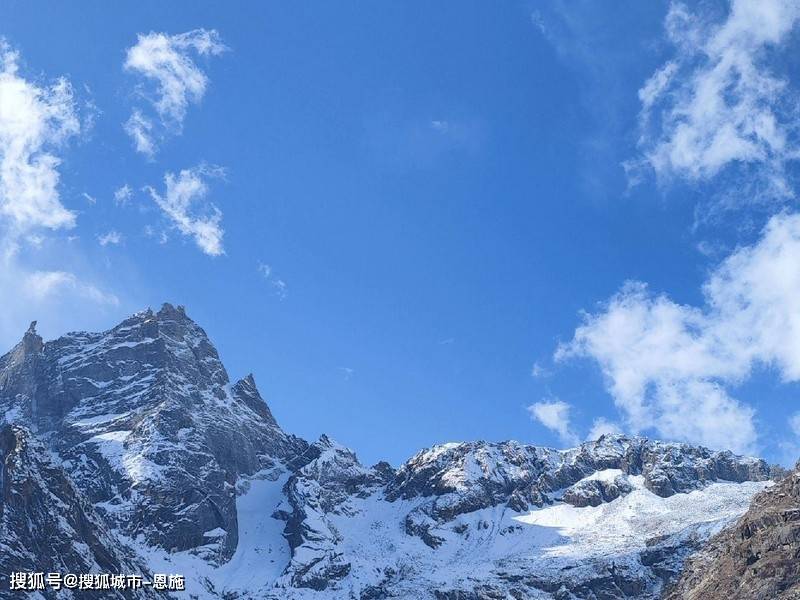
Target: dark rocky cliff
{"x": 757, "y": 558}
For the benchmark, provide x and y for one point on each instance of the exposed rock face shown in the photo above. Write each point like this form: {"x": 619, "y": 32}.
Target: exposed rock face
{"x": 147, "y": 425}
{"x": 756, "y": 558}
{"x": 594, "y": 492}
{"x": 134, "y": 446}
{"x": 317, "y": 492}
{"x": 46, "y": 525}
{"x": 461, "y": 478}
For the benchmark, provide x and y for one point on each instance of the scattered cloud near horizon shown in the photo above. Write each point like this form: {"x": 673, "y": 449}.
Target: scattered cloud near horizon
{"x": 555, "y": 415}
{"x": 60, "y": 299}
{"x": 166, "y": 61}
{"x": 670, "y": 366}
{"x": 41, "y": 285}
{"x": 36, "y": 123}
{"x": 602, "y": 426}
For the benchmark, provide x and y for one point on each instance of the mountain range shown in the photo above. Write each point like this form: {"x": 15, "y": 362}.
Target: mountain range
{"x": 131, "y": 451}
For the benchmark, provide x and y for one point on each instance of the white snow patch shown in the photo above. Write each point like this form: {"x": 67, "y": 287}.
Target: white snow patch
{"x": 98, "y": 419}
{"x": 627, "y": 522}
{"x": 12, "y": 415}
{"x": 215, "y": 533}
{"x": 260, "y": 557}
{"x": 605, "y": 475}
{"x": 112, "y": 446}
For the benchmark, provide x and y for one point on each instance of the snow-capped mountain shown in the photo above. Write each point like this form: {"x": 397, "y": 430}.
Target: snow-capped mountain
{"x": 130, "y": 451}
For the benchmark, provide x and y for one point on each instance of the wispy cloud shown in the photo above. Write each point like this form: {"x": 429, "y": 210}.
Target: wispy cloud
{"x": 167, "y": 62}
{"x": 111, "y": 238}
{"x": 185, "y": 204}
{"x": 400, "y": 142}
{"x": 265, "y": 270}
{"x": 555, "y": 415}
{"x": 89, "y": 198}
{"x": 539, "y": 372}
{"x": 717, "y": 102}
{"x": 140, "y": 130}
{"x": 279, "y": 287}
{"x": 35, "y": 121}
{"x": 59, "y": 299}
{"x": 602, "y": 426}
{"x": 41, "y": 285}
{"x": 122, "y": 195}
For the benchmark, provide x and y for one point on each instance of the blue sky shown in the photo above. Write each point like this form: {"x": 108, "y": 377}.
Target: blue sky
{"x": 421, "y": 223}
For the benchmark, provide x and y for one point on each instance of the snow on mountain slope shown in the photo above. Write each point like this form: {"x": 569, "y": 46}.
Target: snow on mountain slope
{"x": 261, "y": 555}
{"x": 625, "y": 524}
{"x": 184, "y": 472}
{"x": 456, "y": 529}
{"x": 498, "y": 547}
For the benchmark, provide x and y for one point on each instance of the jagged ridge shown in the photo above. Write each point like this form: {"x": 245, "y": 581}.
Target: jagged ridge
{"x": 164, "y": 454}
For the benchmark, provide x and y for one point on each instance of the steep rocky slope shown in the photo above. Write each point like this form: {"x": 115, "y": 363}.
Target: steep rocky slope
{"x": 164, "y": 466}
{"x": 757, "y": 558}
{"x": 46, "y": 525}
{"x": 147, "y": 424}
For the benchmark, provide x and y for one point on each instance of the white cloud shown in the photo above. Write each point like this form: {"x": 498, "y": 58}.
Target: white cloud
{"x": 794, "y": 424}
{"x": 602, "y": 426}
{"x": 123, "y": 194}
{"x": 790, "y": 446}
{"x": 280, "y": 288}
{"x": 716, "y": 102}
{"x": 140, "y": 130}
{"x": 89, "y": 198}
{"x": 265, "y": 270}
{"x": 60, "y": 300}
{"x": 111, "y": 238}
{"x": 41, "y": 285}
{"x": 668, "y": 365}
{"x": 167, "y": 61}
{"x": 34, "y": 121}
{"x": 554, "y": 414}
{"x": 184, "y": 203}
{"x": 539, "y": 372}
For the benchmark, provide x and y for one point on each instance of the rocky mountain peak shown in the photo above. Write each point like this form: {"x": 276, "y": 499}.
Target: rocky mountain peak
{"x": 138, "y": 427}
{"x": 247, "y": 391}
{"x": 143, "y": 416}
{"x": 32, "y": 341}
